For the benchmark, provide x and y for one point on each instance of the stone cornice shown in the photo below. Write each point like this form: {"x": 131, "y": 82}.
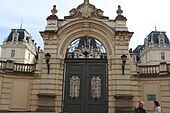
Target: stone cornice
{"x": 155, "y": 47}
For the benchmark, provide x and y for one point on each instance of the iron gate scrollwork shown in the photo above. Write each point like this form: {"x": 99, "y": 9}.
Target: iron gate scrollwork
{"x": 74, "y": 87}
{"x": 95, "y": 87}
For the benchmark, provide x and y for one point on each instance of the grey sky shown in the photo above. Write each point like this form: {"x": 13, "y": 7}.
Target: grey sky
{"x": 142, "y": 15}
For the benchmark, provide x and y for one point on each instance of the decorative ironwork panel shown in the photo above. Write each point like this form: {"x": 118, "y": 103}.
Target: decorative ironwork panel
{"x": 86, "y": 47}
{"x": 95, "y": 87}
{"x": 74, "y": 87}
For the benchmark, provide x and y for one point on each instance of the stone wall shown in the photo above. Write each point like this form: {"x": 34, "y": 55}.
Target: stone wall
{"x": 160, "y": 86}
{"x": 15, "y": 92}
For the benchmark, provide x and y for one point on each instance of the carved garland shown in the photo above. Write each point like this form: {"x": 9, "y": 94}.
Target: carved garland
{"x": 123, "y": 38}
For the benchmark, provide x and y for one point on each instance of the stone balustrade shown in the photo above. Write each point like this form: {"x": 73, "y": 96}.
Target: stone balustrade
{"x": 148, "y": 69}
{"x": 162, "y": 69}
{"x": 9, "y": 65}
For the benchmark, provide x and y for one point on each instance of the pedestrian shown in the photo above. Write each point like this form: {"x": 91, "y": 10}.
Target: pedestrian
{"x": 140, "y": 108}
{"x": 157, "y": 108}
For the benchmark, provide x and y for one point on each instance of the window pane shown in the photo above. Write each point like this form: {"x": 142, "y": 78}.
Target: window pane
{"x": 12, "y": 53}
{"x": 162, "y": 56}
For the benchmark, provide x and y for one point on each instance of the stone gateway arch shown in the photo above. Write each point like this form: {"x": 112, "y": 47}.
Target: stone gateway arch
{"x": 85, "y": 68}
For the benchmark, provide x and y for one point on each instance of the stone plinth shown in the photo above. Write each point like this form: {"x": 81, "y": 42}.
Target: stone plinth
{"x": 123, "y": 103}
{"x": 46, "y": 102}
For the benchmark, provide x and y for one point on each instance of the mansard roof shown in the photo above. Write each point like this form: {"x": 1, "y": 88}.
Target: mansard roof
{"x": 138, "y": 49}
{"x": 23, "y": 35}
{"x": 153, "y": 37}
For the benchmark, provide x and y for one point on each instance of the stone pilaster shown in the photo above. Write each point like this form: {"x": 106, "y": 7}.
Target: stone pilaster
{"x": 123, "y": 95}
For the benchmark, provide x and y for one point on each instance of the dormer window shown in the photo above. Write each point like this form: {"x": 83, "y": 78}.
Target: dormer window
{"x": 161, "y": 39}
{"x": 15, "y": 36}
{"x": 28, "y": 38}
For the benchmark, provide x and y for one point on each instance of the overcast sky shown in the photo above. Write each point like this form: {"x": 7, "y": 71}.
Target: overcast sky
{"x": 142, "y": 15}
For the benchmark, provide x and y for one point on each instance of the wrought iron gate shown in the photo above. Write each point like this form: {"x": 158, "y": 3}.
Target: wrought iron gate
{"x": 85, "y": 86}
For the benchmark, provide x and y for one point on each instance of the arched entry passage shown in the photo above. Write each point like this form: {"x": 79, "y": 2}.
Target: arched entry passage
{"x": 85, "y": 88}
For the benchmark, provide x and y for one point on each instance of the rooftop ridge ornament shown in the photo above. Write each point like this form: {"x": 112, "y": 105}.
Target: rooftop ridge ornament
{"x": 119, "y": 11}
{"x": 54, "y": 11}
{"x": 86, "y": 2}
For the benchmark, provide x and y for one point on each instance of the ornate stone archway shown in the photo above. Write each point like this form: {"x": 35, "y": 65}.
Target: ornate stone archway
{"x": 91, "y": 28}
{"x": 113, "y": 34}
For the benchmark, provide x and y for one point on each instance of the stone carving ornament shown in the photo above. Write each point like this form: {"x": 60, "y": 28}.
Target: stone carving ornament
{"x": 86, "y": 10}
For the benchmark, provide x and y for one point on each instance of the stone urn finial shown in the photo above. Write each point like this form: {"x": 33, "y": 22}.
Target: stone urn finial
{"x": 119, "y": 11}
{"x": 54, "y": 11}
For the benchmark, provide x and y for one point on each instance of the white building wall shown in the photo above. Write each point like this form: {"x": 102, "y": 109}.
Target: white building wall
{"x": 152, "y": 56}
{"x": 21, "y": 55}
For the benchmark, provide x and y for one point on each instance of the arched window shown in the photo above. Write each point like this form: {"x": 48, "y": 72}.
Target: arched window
{"x": 15, "y": 39}
{"x": 161, "y": 38}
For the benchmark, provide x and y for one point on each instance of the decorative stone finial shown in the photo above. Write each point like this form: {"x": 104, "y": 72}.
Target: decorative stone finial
{"x": 86, "y": 1}
{"x": 119, "y": 11}
{"x": 54, "y": 11}
{"x": 53, "y": 16}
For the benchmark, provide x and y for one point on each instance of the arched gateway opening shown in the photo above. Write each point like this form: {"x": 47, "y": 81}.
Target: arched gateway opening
{"x": 85, "y": 87}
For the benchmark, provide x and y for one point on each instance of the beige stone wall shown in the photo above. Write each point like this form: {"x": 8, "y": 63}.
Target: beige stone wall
{"x": 34, "y": 90}
{"x": 21, "y": 53}
{"x": 15, "y": 92}
{"x": 155, "y": 85}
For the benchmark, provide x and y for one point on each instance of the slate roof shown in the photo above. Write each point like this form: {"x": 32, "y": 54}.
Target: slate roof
{"x": 138, "y": 49}
{"x": 23, "y": 34}
{"x": 153, "y": 37}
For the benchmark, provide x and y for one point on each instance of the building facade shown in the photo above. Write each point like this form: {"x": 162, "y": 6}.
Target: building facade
{"x": 156, "y": 49}
{"x": 19, "y": 47}
{"x": 85, "y": 68}
{"x": 152, "y": 67}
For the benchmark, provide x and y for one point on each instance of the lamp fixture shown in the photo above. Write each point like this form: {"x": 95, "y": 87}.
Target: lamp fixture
{"x": 47, "y": 58}
{"x": 124, "y": 58}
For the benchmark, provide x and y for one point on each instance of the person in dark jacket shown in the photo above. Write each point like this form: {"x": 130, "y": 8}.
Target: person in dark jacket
{"x": 140, "y": 108}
